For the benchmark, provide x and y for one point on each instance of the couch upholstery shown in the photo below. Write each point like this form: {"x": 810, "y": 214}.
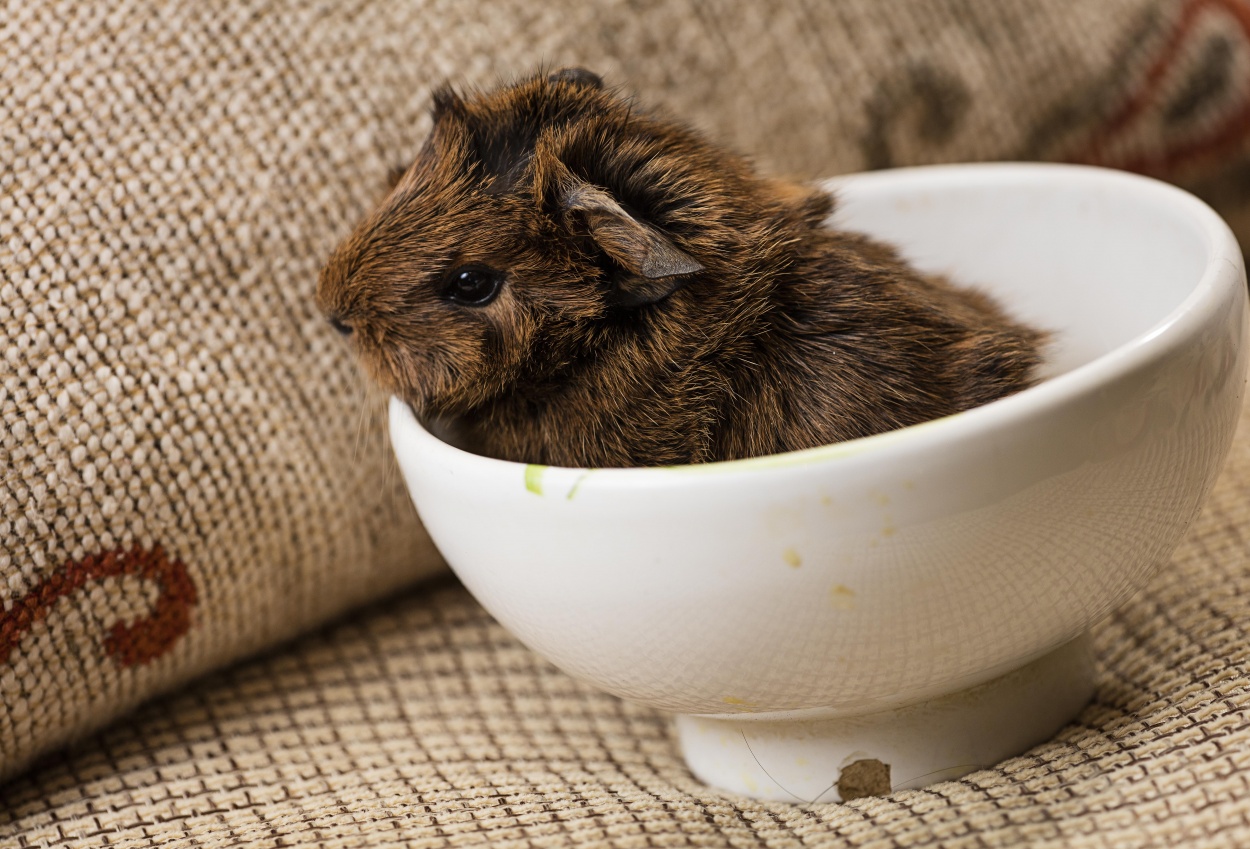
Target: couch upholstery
{"x": 420, "y": 722}
{"x": 191, "y": 471}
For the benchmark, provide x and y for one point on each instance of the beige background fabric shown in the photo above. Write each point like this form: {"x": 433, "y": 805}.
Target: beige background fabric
{"x": 190, "y": 469}
{"x": 422, "y": 723}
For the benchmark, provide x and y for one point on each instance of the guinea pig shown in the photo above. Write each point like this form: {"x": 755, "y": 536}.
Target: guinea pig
{"x": 566, "y": 278}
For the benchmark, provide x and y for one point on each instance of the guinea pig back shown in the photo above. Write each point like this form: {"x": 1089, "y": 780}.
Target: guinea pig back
{"x": 569, "y": 279}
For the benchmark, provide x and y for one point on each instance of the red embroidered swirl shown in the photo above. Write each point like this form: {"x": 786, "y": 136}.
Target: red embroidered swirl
{"x": 132, "y": 644}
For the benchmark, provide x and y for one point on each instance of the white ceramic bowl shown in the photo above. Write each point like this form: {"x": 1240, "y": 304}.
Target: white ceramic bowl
{"x": 914, "y": 600}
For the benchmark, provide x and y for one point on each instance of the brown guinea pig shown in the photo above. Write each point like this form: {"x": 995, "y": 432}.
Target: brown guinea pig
{"x": 568, "y": 279}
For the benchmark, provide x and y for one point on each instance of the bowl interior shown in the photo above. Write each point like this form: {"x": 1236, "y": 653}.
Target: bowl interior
{"x": 1097, "y": 261}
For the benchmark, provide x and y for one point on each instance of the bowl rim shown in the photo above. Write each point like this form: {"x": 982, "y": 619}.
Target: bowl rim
{"x": 1180, "y": 323}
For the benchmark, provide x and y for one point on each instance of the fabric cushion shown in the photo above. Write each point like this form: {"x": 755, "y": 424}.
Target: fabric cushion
{"x": 191, "y": 468}
{"x": 422, "y": 723}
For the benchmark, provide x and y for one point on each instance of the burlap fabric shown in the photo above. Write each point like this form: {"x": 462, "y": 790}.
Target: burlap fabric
{"x": 422, "y": 723}
{"x": 189, "y": 469}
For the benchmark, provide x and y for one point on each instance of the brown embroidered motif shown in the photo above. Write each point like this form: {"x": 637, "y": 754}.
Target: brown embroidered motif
{"x": 129, "y": 644}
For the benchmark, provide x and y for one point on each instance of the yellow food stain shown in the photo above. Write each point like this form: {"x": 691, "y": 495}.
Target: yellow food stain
{"x": 843, "y": 597}
{"x": 577, "y": 485}
{"x": 888, "y": 529}
{"x": 826, "y": 500}
{"x": 881, "y": 498}
{"x": 792, "y": 558}
{"x": 783, "y": 520}
{"x": 909, "y": 485}
{"x": 737, "y": 702}
{"x": 534, "y": 478}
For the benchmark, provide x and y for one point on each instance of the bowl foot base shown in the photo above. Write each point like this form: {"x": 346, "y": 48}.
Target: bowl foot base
{"x": 829, "y": 760}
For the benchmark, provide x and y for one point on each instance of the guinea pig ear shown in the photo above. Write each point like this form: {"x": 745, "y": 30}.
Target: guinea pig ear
{"x": 655, "y": 262}
{"x": 394, "y": 175}
{"x": 447, "y": 104}
{"x": 579, "y": 77}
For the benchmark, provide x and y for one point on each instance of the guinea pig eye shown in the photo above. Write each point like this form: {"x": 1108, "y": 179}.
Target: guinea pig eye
{"x": 473, "y": 285}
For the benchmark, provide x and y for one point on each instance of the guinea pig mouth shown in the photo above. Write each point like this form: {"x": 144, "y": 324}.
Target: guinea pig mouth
{"x": 400, "y": 373}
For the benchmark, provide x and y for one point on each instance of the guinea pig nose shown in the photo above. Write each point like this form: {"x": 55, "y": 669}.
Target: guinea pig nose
{"x": 340, "y": 325}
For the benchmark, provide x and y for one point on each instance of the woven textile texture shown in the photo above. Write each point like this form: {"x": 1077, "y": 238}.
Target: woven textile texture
{"x": 421, "y": 723}
{"x": 190, "y": 469}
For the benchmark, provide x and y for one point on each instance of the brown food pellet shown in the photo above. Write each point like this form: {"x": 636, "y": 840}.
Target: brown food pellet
{"x": 869, "y": 777}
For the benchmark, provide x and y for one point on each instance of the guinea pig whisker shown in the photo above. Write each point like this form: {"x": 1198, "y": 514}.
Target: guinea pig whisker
{"x": 362, "y": 403}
